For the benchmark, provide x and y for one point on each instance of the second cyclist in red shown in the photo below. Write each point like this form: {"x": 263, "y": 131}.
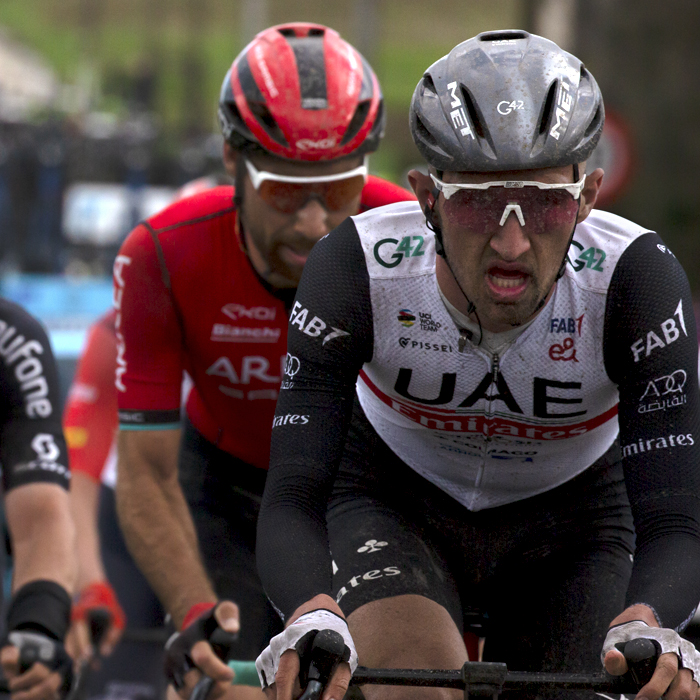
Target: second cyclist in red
{"x": 206, "y": 287}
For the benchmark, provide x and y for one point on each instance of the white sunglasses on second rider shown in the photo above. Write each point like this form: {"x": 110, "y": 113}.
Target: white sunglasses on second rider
{"x": 289, "y": 193}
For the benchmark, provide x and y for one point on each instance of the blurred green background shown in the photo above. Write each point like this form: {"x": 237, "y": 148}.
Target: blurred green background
{"x": 170, "y": 56}
{"x": 114, "y": 58}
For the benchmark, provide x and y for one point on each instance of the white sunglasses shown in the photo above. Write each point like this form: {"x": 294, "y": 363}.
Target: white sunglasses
{"x": 257, "y": 177}
{"x": 450, "y": 188}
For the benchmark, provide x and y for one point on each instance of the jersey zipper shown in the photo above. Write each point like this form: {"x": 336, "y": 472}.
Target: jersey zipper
{"x": 487, "y": 437}
{"x": 494, "y": 377}
{"x": 464, "y": 336}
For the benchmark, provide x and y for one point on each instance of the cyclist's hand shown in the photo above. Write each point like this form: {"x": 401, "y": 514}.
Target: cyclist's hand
{"x": 96, "y": 613}
{"x": 41, "y": 681}
{"x": 189, "y": 653}
{"x": 677, "y": 667}
{"x": 289, "y": 654}
{"x": 286, "y": 685}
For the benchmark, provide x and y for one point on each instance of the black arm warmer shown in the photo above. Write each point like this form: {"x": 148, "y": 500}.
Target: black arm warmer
{"x": 650, "y": 350}
{"x": 330, "y": 338}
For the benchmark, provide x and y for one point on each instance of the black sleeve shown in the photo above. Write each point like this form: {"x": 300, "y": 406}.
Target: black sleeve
{"x": 651, "y": 353}
{"x": 330, "y": 338}
{"x": 32, "y": 447}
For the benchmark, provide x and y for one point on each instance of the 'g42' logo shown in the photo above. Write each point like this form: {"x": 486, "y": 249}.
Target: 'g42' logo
{"x": 410, "y": 247}
{"x": 505, "y": 107}
{"x": 591, "y": 257}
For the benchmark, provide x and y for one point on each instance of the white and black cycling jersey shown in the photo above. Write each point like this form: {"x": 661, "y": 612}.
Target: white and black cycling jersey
{"x": 612, "y": 355}
{"x": 492, "y": 429}
{"x": 32, "y": 446}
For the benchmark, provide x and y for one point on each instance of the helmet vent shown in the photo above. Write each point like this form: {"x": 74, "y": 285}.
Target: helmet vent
{"x": 358, "y": 119}
{"x": 548, "y": 108}
{"x": 367, "y": 87}
{"x": 595, "y": 122}
{"x": 502, "y": 36}
{"x": 291, "y": 32}
{"x": 265, "y": 118}
{"x": 474, "y": 117}
{"x": 234, "y": 127}
{"x": 311, "y": 70}
{"x": 424, "y": 134}
{"x": 428, "y": 84}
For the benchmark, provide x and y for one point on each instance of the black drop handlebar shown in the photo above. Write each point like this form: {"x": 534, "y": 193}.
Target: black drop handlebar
{"x": 490, "y": 679}
{"x": 474, "y": 678}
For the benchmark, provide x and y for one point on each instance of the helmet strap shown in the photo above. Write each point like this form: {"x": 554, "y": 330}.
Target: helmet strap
{"x": 430, "y": 222}
{"x": 562, "y": 269}
{"x": 238, "y": 188}
{"x": 239, "y": 181}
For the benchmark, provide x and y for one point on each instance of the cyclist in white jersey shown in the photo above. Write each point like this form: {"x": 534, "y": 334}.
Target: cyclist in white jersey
{"x": 526, "y": 404}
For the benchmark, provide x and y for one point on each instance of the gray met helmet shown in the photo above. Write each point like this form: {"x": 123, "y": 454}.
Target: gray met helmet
{"x": 506, "y": 100}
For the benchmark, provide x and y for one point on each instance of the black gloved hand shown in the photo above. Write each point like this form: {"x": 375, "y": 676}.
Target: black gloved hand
{"x": 178, "y": 661}
{"x": 35, "y": 647}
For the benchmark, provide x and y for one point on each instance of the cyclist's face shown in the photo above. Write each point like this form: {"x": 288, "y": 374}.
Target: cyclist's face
{"x": 279, "y": 242}
{"x": 507, "y": 266}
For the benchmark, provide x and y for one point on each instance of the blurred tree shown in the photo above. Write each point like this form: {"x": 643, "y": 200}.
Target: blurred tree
{"x": 367, "y": 30}
{"x": 90, "y": 19}
{"x": 255, "y": 16}
{"x": 195, "y": 108}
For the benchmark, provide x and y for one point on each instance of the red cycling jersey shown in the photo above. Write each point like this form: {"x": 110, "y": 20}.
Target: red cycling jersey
{"x": 90, "y": 415}
{"x": 187, "y": 298}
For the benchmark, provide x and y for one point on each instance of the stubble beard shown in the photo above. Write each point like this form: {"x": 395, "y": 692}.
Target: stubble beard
{"x": 275, "y": 272}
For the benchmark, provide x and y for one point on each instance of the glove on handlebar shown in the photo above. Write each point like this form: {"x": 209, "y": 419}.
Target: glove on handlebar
{"x": 35, "y": 647}
{"x": 178, "y": 661}
{"x": 298, "y": 636}
{"x": 98, "y": 595}
{"x": 668, "y": 640}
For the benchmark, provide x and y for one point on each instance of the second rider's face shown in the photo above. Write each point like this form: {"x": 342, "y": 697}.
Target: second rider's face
{"x": 279, "y": 243}
{"x": 506, "y": 271}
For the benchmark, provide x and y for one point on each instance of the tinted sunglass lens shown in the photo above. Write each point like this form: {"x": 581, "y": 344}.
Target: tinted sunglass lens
{"x": 288, "y": 197}
{"x": 284, "y": 196}
{"x": 481, "y": 211}
{"x": 341, "y": 193}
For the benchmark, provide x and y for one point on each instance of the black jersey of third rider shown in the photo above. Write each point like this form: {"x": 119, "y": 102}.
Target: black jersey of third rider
{"x": 32, "y": 447}
{"x": 611, "y": 356}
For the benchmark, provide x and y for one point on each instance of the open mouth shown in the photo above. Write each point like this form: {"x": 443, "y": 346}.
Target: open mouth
{"x": 293, "y": 256}
{"x": 507, "y": 283}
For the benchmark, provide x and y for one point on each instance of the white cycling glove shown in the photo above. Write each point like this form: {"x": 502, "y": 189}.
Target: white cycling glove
{"x": 669, "y": 641}
{"x": 268, "y": 662}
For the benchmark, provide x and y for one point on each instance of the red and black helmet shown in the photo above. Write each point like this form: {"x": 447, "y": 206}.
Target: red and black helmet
{"x": 299, "y": 91}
